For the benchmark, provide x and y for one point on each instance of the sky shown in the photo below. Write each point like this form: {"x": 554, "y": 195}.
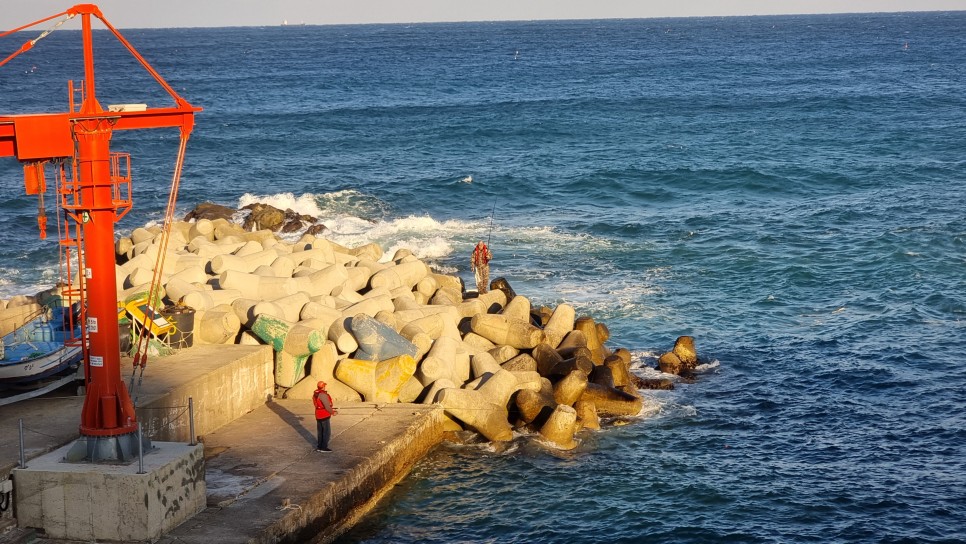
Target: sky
{"x": 207, "y": 13}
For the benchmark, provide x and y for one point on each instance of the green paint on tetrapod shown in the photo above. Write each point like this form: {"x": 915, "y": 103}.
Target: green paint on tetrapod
{"x": 271, "y": 330}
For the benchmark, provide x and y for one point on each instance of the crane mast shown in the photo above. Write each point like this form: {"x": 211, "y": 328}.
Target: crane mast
{"x": 94, "y": 196}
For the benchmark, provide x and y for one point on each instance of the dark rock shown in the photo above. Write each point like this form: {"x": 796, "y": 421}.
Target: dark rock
{"x": 292, "y": 226}
{"x": 210, "y": 211}
{"x": 295, "y": 221}
{"x": 263, "y": 216}
{"x": 316, "y": 229}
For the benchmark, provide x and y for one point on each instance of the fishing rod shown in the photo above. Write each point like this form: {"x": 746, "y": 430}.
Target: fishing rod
{"x": 490, "y": 232}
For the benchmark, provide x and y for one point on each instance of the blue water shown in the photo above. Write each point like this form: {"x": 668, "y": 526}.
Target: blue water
{"x": 788, "y": 190}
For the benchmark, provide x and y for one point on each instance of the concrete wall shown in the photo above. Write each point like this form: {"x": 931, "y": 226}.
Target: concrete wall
{"x": 230, "y": 381}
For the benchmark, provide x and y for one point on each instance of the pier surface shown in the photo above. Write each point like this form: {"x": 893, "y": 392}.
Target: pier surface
{"x": 265, "y": 481}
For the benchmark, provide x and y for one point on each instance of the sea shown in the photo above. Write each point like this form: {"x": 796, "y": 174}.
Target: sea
{"x": 788, "y": 190}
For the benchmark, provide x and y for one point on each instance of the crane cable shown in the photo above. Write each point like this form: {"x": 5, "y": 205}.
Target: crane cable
{"x": 141, "y": 352}
{"x": 29, "y": 44}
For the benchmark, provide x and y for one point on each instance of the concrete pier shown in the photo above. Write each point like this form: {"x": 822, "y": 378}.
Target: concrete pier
{"x": 267, "y": 484}
{"x": 265, "y": 481}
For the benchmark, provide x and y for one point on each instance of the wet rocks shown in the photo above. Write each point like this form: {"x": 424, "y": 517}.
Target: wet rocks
{"x": 210, "y": 211}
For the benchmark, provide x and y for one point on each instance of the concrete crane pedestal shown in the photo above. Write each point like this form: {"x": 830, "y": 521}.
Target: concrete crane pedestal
{"x": 97, "y": 502}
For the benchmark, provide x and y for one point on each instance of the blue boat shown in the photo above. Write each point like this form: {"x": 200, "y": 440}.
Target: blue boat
{"x": 37, "y": 350}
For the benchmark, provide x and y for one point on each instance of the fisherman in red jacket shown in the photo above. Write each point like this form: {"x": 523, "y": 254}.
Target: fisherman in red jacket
{"x": 481, "y": 266}
{"x": 323, "y": 412}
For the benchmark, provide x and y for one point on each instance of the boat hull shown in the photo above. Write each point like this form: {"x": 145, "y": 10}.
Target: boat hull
{"x": 39, "y": 367}
{"x": 37, "y": 350}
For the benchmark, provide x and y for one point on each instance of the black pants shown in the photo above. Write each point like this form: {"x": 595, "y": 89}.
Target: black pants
{"x": 325, "y": 430}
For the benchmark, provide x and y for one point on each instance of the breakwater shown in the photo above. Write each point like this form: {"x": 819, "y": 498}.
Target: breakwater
{"x": 380, "y": 328}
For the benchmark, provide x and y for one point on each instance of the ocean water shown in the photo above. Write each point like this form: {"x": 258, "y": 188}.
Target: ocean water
{"x": 788, "y": 190}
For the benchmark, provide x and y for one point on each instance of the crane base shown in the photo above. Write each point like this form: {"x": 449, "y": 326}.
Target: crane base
{"x": 105, "y": 502}
{"x": 120, "y": 449}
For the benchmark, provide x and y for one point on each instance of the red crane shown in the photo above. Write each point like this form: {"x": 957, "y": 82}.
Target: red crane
{"x": 94, "y": 195}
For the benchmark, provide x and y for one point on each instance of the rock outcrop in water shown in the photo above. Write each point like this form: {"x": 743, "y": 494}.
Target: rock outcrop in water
{"x": 391, "y": 330}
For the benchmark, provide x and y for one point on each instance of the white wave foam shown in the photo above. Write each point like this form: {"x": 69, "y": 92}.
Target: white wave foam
{"x": 708, "y": 367}
{"x": 345, "y": 215}
{"x": 14, "y": 281}
{"x": 304, "y": 204}
{"x": 644, "y": 359}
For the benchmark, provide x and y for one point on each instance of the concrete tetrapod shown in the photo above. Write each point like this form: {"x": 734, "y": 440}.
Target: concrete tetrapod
{"x": 494, "y": 301}
{"x": 518, "y": 308}
{"x": 401, "y": 275}
{"x": 568, "y": 390}
{"x": 587, "y": 414}
{"x": 546, "y": 357}
{"x": 258, "y": 287}
{"x": 177, "y": 288}
{"x": 433, "y": 391}
{"x": 244, "y": 263}
{"x": 377, "y": 341}
{"x": 612, "y": 402}
{"x": 321, "y": 368}
{"x": 522, "y": 362}
{"x": 204, "y": 299}
{"x": 377, "y": 381}
{"x": 472, "y": 408}
{"x": 324, "y": 282}
{"x": 218, "y": 325}
{"x": 560, "y": 427}
{"x": 411, "y": 390}
{"x": 440, "y": 363}
{"x": 288, "y": 308}
{"x": 339, "y": 333}
{"x": 587, "y": 326}
{"x": 289, "y": 369}
{"x": 293, "y": 344}
{"x": 507, "y": 330}
{"x": 560, "y": 323}
{"x": 499, "y": 387}
{"x": 504, "y": 353}
{"x": 534, "y": 406}
{"x": 483, "y": 363}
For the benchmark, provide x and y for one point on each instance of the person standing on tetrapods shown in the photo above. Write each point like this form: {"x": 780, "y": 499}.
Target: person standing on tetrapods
{"x": 481, "y": 267}
{"x": 323, "y": 413}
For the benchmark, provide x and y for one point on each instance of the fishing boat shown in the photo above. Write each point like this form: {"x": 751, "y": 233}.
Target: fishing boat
{"x": 37, "y": 349}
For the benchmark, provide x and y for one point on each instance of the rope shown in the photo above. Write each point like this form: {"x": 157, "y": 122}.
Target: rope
{"x": 141, "y": 353}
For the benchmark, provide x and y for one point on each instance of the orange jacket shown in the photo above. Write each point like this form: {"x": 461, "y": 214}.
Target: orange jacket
{"x": 323, "y": 404}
